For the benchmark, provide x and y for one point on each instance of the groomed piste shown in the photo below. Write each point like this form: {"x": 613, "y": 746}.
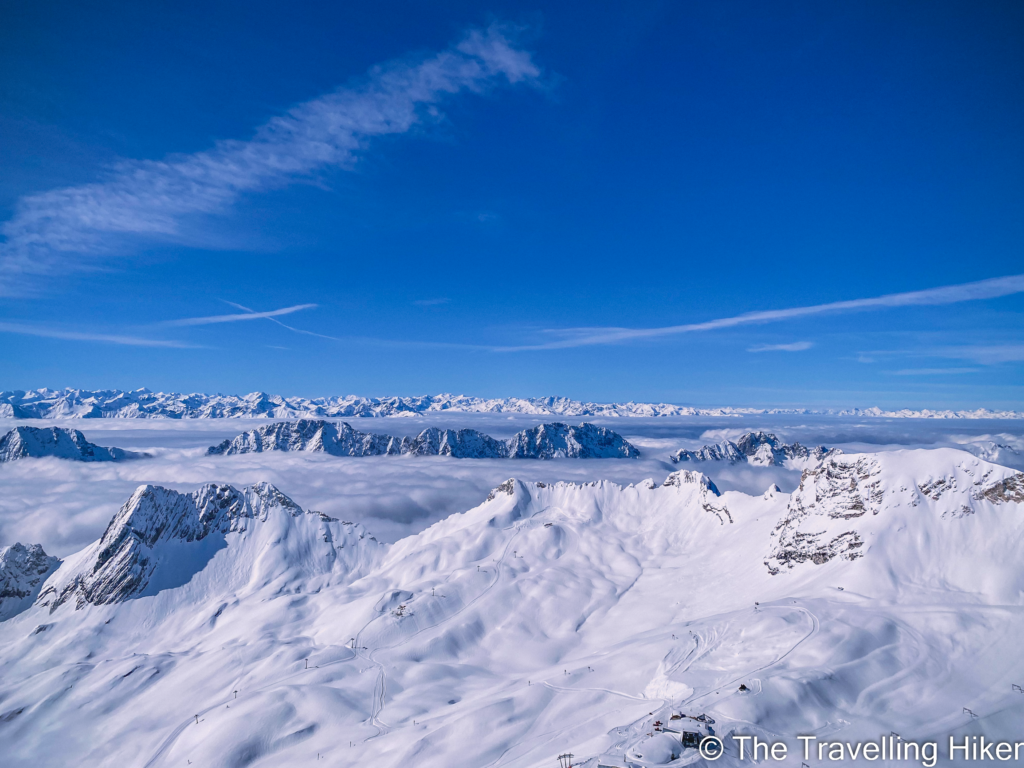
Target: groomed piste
{"x": 229, "y": 626}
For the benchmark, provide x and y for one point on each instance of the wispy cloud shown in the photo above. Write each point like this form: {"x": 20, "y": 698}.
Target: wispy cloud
{"x": 953, "y": 294}
{"x": 54, "y": 333}
{"x": 933, "y": 371}
{"x": 248, "y": 315}
{"x": 796, "y": 346}
{"x": 74, "y": 227}
{"x": 430, "y": 302}
{"x": 985, "y": 354}
{"x": 272, "y": 317}
{"x": 979, "y": 353}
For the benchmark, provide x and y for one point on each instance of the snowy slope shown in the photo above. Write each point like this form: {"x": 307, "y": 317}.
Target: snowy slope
{"x": 161, "y": 539}
{"x": 849, "y": 501}
{"x": 550, "y": 618}
{"x": 141, "y": 403}
{"x": 546, "y": 441}
{"x": 59, "y": 442}
{"x": 759, "y": 448}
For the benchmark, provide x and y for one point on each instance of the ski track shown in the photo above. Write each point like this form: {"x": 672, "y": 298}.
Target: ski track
{"x": 900, "y": 636}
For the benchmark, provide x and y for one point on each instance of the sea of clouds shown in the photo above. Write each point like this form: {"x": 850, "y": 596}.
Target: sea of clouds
{"x": 66, "y": 505}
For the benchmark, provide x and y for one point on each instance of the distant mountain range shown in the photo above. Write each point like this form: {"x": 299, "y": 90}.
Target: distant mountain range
{"x": 58, "y": 442}
{"x": 547, "y": 441}
{"x": 143, "y": 404}
{"x": 760, "y": 448}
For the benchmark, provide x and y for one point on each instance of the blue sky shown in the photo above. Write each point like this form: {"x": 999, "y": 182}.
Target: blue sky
{"x": 517, "y": 199}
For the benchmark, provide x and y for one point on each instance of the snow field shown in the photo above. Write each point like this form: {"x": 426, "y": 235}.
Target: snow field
{"x": 551, "y": 618}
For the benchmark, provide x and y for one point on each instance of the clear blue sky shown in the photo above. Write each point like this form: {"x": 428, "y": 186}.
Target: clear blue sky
{"x": 479, "y": 198}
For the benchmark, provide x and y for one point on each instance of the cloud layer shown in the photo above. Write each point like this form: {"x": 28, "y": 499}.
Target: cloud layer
{"x": 74, "y": 226}
{"x": 65, "y": 505}
{"x": 951, "y": 294}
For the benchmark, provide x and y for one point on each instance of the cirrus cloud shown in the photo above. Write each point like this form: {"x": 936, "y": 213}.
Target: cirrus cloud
{"x": 77, "y": 227}
{"x": 796, "y": 346}
{"x": 950, "y": 294}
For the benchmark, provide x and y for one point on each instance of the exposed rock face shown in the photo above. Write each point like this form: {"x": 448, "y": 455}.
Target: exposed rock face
{"x": 760, "y": 448}
{"x": 33, "y": 442}
{"x": 686, "y": 477}
{"x": 143, "y": 404}
{"x": 546, "y": 441}
{"x": 508, "y": 488}
{"x": 1009, "y": 490}
{"x": 309, "y": 435}
{"x": 586, "y": 441}
{"x": 459, "y": 444}
{"x": 708, "y": 492}
{"x": 833, "y": 491}
{"x": 143, "y": 540}
{"x": 846, "y": 500}
{"x": 22, "y": 572}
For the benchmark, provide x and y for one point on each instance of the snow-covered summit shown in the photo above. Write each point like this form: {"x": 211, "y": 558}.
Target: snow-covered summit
{"x": 545, "y": 441}
{"x": 587, "y": 441}
{"x": 760, "y": 448}
{"x": 59, "y": 442}
{"x": 851, "y": 503}
{"x": 551, "y": 618}
{"x": 144, "y": 404}
{"x": 161, "y": 538}
{"x": 22, "y": 572}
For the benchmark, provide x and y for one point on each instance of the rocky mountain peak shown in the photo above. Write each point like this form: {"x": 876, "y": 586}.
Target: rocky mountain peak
{"x": 759, "y": 448}
{"x": 23, "y": 569}
{"x": 546, "y": 441}
{"x": 59, "y": 442}
{"x": 129, "y": 554}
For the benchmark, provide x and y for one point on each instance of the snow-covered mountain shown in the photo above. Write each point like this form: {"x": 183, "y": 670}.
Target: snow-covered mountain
{"x": 59, "y": 442}
{"x": 160, "y": 539}
{"x": 849, "y": 501}
{"x": 760, "y": 448}
{"x": 22, "y": 572}
{"x": 885, "y": 595}
{"x": 143, "y": 404}
{"x": 546, "y": 441}
{"x": 996, "y": 452}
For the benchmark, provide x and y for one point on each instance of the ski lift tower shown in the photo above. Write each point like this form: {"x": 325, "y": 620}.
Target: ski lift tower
{"x": 565, "y": 761}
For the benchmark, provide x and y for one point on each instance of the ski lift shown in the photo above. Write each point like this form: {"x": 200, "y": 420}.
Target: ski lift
{"x": 691, "y": 739}
{"x": 565, "y": 760}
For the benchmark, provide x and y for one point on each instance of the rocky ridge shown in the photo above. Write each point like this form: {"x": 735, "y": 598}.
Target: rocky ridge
{"x": 845, "y": 500}
{"x": 23, "y": 569}
{"x": 160, "y": 538}
{"x": 59, "y": 442}
{"x": 546, "y": 441}
{"x": 759, "y": 448}
{"x": 144, "y": 404}
{"x": 263, "y": 627}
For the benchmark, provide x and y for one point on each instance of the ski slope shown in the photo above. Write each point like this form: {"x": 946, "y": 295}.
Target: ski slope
{"x": 550, "y": 618}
